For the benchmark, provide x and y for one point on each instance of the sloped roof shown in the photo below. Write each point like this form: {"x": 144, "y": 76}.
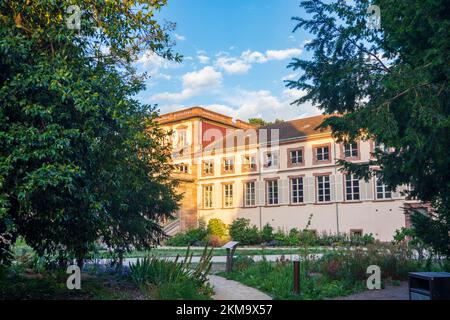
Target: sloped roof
{"x": 298, "y": 128}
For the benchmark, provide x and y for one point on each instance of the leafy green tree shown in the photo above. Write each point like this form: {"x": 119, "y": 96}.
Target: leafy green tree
{"x": 80, "y": 158}
{"x": 261, "y": 122}
{"x": 390, "y": 85}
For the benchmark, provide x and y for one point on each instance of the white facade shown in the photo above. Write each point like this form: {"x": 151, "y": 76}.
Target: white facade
{"x": 320, "y": 192}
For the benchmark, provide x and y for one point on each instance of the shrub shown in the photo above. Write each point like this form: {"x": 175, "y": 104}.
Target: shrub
{"x": 267, "y": 233}
{"x": 176, "y": 279}
{"x": 293, "y": 239}
{"x": 195, "y": 236}
{"x": 217, "y": 227}
{"x": 240, "y": 230}
{"x": 280, "y": 237}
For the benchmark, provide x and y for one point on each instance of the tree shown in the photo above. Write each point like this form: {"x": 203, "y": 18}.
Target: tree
{"x": 390, "y": 85}
{"x": 80, "y": 158}
{"x": 262, "y": 123}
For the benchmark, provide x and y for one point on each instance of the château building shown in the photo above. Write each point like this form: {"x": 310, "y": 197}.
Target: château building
{"x": 284, "y": 174}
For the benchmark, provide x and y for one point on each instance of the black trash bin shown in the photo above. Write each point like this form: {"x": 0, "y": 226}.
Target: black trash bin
{"x": 429, "y": 286}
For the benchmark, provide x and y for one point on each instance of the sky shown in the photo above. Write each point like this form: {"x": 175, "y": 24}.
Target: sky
{"x": 235, "y": 61}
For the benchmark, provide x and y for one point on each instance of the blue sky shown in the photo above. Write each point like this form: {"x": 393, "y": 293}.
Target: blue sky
{"x": 236, "y": 54}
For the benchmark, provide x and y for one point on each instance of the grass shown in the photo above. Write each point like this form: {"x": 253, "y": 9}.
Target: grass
{"x": 197, "y": 252}
{"x": 276, "y": 279}
{"x": 335, "y": 274}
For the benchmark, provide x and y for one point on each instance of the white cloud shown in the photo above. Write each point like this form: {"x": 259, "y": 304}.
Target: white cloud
{"x": 243, "y": 104}
{"x": 243, "y": 63}
{"x": 291, "y": 76}
{"x": 204, "y": 59}
{"x": 194, "y": 83}
{"x": 233, "y": 65}
{"x": 180, "y": 37}
{"x": 205, "y": 78}
{"x": 253, "y": 56}
{"x": 282, "y": 54}
{"x": 152, "y": 63}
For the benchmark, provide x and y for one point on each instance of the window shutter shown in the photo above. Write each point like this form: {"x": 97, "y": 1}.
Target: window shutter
{"x": 260, "y": 193}
{"x": 332, "y": 187}
{"x": 370, "y": 192}
{"x": 217, "y": 196}
{"x": 309, "y": 189}
{"x": 283, "y": 191}
{"x": 339, "y": 187}
{"x": 238, "y": 194}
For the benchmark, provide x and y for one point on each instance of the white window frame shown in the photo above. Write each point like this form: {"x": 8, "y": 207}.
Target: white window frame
{"x": 207, "y": 197}
{"x": 250, "y": 161}
{"x": 249, "y": 194}
{"x": 320, "y": 151}
{"x": 350, "y": 149}
{"x": 382, "y": 189}
{"x": 228, "y": 195}
{"x": 272, "y": 158}
{"x": 272, "y": 192}
{"x": 297, "y": 190}
{"x": 228, "y": 163}
{"x": 298, "y": 158}
{"x": 323, "y": 192}
{"x": 351, "y": 185}
{"x": 208, "y": 167}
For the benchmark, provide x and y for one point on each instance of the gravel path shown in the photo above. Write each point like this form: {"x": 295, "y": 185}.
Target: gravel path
{"x": 231, "y": 290}
{"x": 389, "y": 293}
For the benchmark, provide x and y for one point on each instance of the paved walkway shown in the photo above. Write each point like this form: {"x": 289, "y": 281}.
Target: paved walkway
{"x": 389, "y": 293}
{"x": 217, "y": 259}
{"x": 231, "y": 290}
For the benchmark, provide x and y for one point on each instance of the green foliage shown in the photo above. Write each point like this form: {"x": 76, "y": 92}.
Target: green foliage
{"x": 390, "y": 85}
{"x": 80, "y": 157}
{"x": 217, "y": 227}
{"x": 334, "y": 274}
{"x": 240, "y": 230}
{"x": 166, "y": 279}
{"x": 267, "y": 233}
{"x": 195, "y": 236}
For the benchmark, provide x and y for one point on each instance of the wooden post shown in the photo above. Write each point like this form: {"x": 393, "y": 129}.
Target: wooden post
{"x": 296, "y": 277}
{"x": 228, "y": 260}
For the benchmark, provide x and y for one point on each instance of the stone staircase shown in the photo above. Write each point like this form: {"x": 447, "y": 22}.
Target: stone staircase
{"x": 172, "y": 228}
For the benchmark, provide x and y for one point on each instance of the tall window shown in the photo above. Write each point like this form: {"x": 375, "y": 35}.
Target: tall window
{"x": 383, "y": 191}
{"x": 351, "y": 187}
{"x": 272, "y": 192}
{"x": 208, "y": 167}
{"x": 228, "y": 195}
{"x": 323, "y": 189}
{"x": 182, "y": 138}
{"x": 228, "y": 165}
{"x": 350, "y": 150}
{"x": 296, "y": 156}
{"x": 249, "y": 194}
{"x": 207, "y": 197}
{"x": 323, "y": 153}
{"x": 297, "y": 190}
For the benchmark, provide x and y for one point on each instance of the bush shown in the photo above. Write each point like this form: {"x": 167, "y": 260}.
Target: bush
{"x": 217, "y": 227}
{"x": 241, "y": 231}
{"x": 280, "y": 238}
{"x": 267, "y": 233}
{"x": 176, "y": 279}
{"x": 196, "y": 236}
